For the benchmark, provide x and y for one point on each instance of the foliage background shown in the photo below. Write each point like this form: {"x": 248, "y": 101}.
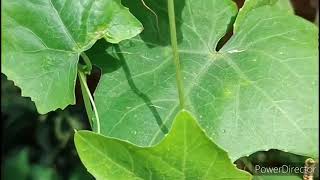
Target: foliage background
{"x": 40, "y": 147}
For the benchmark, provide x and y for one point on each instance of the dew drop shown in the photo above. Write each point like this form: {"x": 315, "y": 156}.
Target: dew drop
{"x": 135, "y": 132}
{"x": 223, "y": 130}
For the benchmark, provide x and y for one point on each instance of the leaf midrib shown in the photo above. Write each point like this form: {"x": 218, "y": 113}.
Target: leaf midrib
{"x": 202, "y": 71}
{"x": 65, "y": 29}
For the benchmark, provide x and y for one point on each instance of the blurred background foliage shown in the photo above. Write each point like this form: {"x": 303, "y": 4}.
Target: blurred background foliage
{"x": 40, "y": 147}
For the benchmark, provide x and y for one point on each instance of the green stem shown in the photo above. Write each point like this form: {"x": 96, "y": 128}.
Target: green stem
{"x": 174, "y": 45}
{"x": 87, "y": 61}
{"x": 88, "y": 101}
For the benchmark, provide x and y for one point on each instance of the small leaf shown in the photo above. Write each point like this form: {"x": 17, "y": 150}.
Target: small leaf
{"x": 42, "y": 40}
{"x": 185, "y": 153}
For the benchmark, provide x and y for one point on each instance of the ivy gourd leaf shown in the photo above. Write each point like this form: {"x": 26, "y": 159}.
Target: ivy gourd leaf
{"x": 42, "y": 41}
{"x": 258, "y": 92}
{"x": 249, "y": 5}
{"x": 185, "y": 153}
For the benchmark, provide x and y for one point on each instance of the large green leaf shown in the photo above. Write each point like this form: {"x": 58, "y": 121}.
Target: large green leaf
{"x": 258, "y": 92}
{"x": 185, "y": 153}
{"x": 42, "y": 40}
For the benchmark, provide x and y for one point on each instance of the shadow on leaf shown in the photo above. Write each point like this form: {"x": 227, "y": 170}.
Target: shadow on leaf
{"x": 155, "y": 20}
{"x": 142, "y": 95}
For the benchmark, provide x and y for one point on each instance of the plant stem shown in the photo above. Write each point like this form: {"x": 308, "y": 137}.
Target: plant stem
{"x": 88, "y": 101}
{"x": 87, "y": 61}
{"x": 174, "y": 45}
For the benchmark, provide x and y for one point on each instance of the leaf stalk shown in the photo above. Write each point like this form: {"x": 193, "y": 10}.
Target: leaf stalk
{"x": 87, "y": 62}
{"x": 88, "y": 101}
{"x": 174, "y": 45}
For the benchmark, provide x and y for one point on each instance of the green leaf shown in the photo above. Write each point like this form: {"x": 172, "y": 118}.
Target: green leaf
{"x": 249, "y": 5}
{"x": 185, "y": 153}
{"x": 285, "y": 5}
{"x": 43, "y": 39}
{"x": 258, "y": 92}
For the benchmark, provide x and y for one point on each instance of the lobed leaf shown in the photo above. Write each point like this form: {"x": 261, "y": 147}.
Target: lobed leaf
{"x": 42, "y": 41}
{"x": 185, "y": 153}
{"x": 258, "y": 92}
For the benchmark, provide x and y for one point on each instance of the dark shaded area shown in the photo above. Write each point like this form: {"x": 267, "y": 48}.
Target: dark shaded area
{"x": 306, "y": 8}
{"x": 92, "y": 81}
{"x": 101, "y": 58}
{"x": 102, "y": 62}
{"x": 227, "y": 36}
{"x": 143, "y": 96}
{"x": 155, "y": 33}
{"x": 274, "y": 158}
{"x": 46, "y": 141}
